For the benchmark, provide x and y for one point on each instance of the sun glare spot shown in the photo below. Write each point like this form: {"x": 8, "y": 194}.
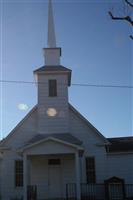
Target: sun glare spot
{"x": 51, "y": 112}
{"x": 22, "y": 106}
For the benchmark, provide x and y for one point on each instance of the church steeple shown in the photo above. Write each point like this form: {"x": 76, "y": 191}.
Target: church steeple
{"x": 53, "y": 81}
{"x": 51, "y": 53}
{"x": 51, "y": 28}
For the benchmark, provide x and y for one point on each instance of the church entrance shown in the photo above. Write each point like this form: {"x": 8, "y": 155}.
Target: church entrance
{"x": 54, "y": 178}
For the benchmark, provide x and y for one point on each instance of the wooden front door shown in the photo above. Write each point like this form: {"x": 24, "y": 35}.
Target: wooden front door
{"x": 54, "y": 180}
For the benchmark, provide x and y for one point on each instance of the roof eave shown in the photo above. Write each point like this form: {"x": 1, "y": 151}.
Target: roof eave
{"x": 69, "y": 72}
{"x": 21, "y": 150}
{"x": 106, "y": 142}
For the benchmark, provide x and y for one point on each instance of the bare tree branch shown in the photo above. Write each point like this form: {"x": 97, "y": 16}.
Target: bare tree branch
{"x": 126, "y": 18}
{"x": 129, "y": 3}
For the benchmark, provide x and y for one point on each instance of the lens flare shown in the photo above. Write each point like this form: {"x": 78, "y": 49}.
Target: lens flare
{"x": 51, "y": 112}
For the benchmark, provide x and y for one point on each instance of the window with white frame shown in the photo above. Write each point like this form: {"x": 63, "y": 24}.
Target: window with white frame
{"x": 90, "y": 170}
{"x": 18, "y": 173}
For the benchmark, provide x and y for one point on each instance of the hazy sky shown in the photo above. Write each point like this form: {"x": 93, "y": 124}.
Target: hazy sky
{"x": 97, "y": 49}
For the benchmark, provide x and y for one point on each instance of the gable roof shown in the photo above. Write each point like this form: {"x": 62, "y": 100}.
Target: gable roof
{"x": 120, "y": 144}
{"x": 52, "y": 138}
{"x": 66, "y": 137}
{"x": 70, "y": 138}
{"x": 2, "y": 142}
{"x": 89, "y": 124}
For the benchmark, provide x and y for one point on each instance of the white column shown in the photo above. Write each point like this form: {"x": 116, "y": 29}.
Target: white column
{"x": 81, "y": 167}
{"x": 77, "y": 166}
{"x": 25, "y": 177}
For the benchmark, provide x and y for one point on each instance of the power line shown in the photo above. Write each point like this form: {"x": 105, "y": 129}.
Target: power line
{"x": 25, "y": 82}
{"x": 73, "y": 84}
{"x": 105, "y": 86}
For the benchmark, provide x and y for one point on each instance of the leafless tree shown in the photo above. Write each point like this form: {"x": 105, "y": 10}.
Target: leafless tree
{"x": 124, "y": 17}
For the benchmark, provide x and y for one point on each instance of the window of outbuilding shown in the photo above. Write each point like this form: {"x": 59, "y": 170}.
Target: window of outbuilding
{"x": 90, "y": 170}
{"x": 52, "y": 88}
{"x": 18, "y": 173}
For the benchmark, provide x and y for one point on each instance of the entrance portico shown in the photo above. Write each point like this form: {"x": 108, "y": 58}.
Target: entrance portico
{"x": 50, "y": 164}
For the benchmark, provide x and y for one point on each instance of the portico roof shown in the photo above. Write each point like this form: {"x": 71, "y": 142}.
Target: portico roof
{"x": 62, "y": 138}
{"x": 66, "y": 137}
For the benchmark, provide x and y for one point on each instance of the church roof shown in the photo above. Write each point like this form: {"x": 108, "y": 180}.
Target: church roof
{"x": 120, "y": 144}
{"x": 47, "y": 68}
{"x": 55, "y": 69}
{"x": 66, "y": 137}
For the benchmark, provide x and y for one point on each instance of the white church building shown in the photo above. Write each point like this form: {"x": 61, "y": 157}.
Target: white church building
{"x": 55, "y": 153}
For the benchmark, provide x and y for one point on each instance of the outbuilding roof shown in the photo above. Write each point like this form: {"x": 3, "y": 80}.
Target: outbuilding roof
{"x": 120, "y": 144}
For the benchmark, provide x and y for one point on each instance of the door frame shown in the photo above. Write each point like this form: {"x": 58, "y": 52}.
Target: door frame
{"x": 59, "y": 166}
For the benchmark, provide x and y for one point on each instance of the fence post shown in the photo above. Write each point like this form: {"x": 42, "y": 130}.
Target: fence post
{"x": 77, "y": 166}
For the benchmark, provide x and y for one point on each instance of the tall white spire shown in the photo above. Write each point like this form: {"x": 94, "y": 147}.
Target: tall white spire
{"x": 51, "y": 29}
{"x": 52, "y": 53}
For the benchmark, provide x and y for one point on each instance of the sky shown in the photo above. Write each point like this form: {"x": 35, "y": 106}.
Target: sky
{"x": 96, "y": 49}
